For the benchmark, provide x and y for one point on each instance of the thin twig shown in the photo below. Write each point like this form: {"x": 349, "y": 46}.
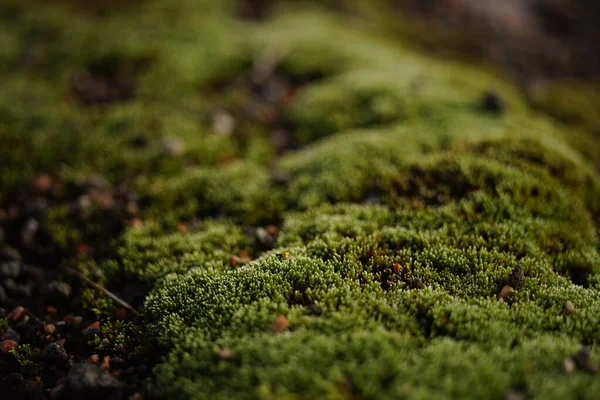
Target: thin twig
{"x": 96, "y": 286}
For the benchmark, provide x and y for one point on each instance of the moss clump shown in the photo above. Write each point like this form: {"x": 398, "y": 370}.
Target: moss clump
{"x": 423, "y": 247}
{"x": 148, "y": 254}
{"x": 402, "y": 286}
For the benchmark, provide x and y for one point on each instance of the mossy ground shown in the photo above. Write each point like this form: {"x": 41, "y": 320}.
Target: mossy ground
{"x": 396, "y": 216}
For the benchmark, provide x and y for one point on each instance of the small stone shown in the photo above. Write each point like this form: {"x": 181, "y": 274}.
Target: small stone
{"x": 281, "y": 179}
{"x": 62, "y": 289}
{"x": 90, "y": 381}
{"x": 7, "y": 345}
{"x": 17, "y": 314}
{"x": 493, "y": 103}
{"x": 173, "y": 147}
{"x": 9, "y": 254}
{"x": 49, "y": 329}
{"x": 273, "y": 230}
{"x": 583, "y": 360}
{"x": 280, "y": 324}
{"x": 570, "y": 308}
{"x": 132, "y": 208}
{"x": 182, "y": 228}
{"x": 42, "y": 184}
{"x": 11, "y": 334}
{"x": 77, "y": 321}
{"x": 225, "y": 354}
{"x": 223, "y": 123}
{"x": 136, "y": 223}
{"x": 84, "y": 203}
{"x": 105, "y": 363}
{"x": 515, "y": 279}
{"x": 315, "y": 310}
{"x": 514, "y": 395}
{"x": 92, "y": 326}
{"x": 54, "y": 354}
{"x": 568, "y": 366}
{"x": 504, "y": 293}
{"x": 16, "y": 289}
{"x": 10, "y": 269}
{"x": 265, "y": 239}
{"x": 29, "y": 230}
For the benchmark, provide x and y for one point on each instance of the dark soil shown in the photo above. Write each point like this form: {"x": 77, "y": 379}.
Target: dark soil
{"x": 54, "y": 345}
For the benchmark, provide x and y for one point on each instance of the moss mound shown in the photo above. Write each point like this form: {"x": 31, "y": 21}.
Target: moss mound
{"x": 406, "y": 239}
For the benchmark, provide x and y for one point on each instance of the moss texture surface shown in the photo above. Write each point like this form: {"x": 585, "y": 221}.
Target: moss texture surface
{"x": 426, "y": 247}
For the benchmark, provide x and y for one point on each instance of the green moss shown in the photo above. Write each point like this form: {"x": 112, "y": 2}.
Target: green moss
{"x": 407, "y": 210}
{"x": 148, "y": 254}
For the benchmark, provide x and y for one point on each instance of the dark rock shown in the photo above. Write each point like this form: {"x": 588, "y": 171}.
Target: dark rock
{"x": 91, "y": 382}
{"x": 9, "y": 254}
{"x": 281, "y": 179}
{"x": 14, "y": 288}
{"x": 29, "y": 231}
{"x": 10, "y": 269}
{"x": 493, "y": 103}
{"x": 60, "y": 289}
{"x": 315, "y": 310}
{"x": 265, "y": 239}
{"x": 54, "y": 354}
{"x": 11, "y": 334}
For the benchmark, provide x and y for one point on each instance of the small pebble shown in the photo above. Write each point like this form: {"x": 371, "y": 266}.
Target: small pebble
{"x": 514, "y": 395}
{"x": 583, "y": 360}
{"x": 182, "y": 228}
{"x": 316, "y": 310}
{"x": 225, "y": 354}
{"x": 55, "y": 354}
{"x": 49, "y": 329}
{"x": 223, "y": 123}
{"x": 42, "y": 183}
{"x": 17, "y": 314}
{"x": 11, "y": 334}
{"x": 9, "y": 254}
{"x": 568, "y": 366}
{"x": 280, "y": 324}
{"x": 29, "y": 231}
{"x": 92, "y": 326}
{"x": 264, "y": 238}
{"x": 86, "y": 378}
{"x": 493, "y": 103}
{"x": 105, "y": 363}
{"x": 7, "y": 345}
{"x": 60, "y": 288}
{"x": 173, "y": 147}
{"x": 504, "y": 293}
{"x": 281, "y": 178}
{"x": 10, "y": 269}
